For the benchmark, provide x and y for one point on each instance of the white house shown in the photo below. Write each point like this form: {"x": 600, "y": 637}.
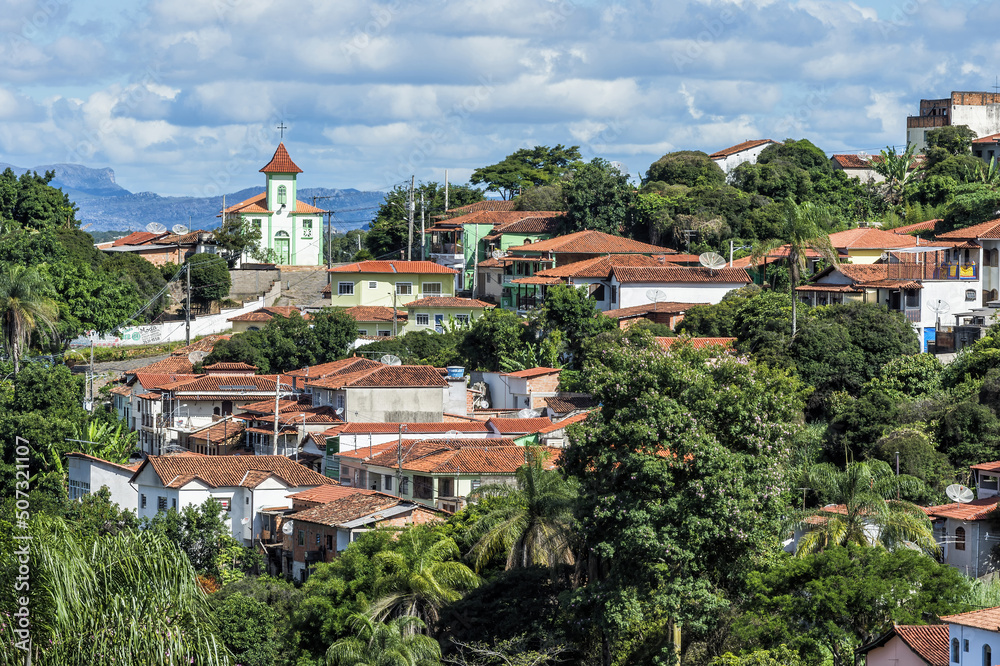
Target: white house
{"x": 857, "y": 166}
{"x": 519, "y": 390}
{"x": 242, "y": 484}
{"x": 748, "y": 151}
{"x": 87, "y": 474}
{"x": 396, "y": 393}
{"x": 974, "y": 637}
{"x": 642, "y": 285}
{"x": 290, "y": 230}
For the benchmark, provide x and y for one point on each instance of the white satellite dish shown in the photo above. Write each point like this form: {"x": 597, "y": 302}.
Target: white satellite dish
{"x": 484, "y": 404}
{"x": 156, "y": 228}
{"x": 245, "y": 521}
{"x": 656, "y": 295}
{"x": 528, "y": 414}
{"x": 339, "y": 411}
{"x": 496, "y": 254}
{"x": 390, "y": 359}
{"x": 712, "y": 260}
{"x": 179, "y": 229}
{"x": 959, "y": 493}
{"x": 939, "y": 307}
{"x": 452, "y": 434}
{"x": 913, "y": 546}
{"x": 287, "y": 528}
{"x": 197, "y": 357}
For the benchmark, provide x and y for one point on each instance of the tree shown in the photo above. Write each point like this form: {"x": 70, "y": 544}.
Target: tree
{"x": 685, "y": 167}
{"x": 573, "y": 313}
{"x": 494, "y": 339}
{"x": 334, "y": 331}
{"x": 599, "y": 197}
{"x": 25, "y": 307}
{"x": 510, "y": 652}
{"x": 147, "y": 279}
{"x": 388, "y": 233}
{"x": 954, "y": 139}
{"x": 871, "y": 513}
{"x": 210, "y": 280}
{"x": 779, "y": 656}
{"x": 248, "y": 628}
{"x": 973, "y": 205}
{"x": 393, "y": 643}
{"x": 421, "y": 577}
{"x": 803, "y": 229}
{"x": 30, "y": 203}
{"x": 527, "y": 167}
{"x": 531, "y": 521}
{"x": 197, "y": 531}
{"x": 543, "y": 197}
{"x": 895, "y": 168}
{"x": 717, "y": 320}
{"x": 236, "y": 237}
{"x": 285, "y": 343}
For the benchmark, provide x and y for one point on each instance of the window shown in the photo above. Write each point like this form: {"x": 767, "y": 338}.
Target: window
{"x": 432, "y": 289}
{"x": 307, "y": 228}
{"x": 302, "y": 537}
{"x": 462, "y": 319}
{"x": 161, "y": 503}
{"x": 423, "y": 487}
{"x": 318, "y": 539}
{"x": 954, "y": 650}
{"x": 598, "y": 293}
{"x": 142, "y": 501}
{"x": 404, "y": 288}
{"x": 965, "y": 647}
{"x": 173, "y": 503}
{"x": 987, "y": 656}
{"x": 78, "y": 489}
{"x": 423, "y": 319}
{"x": 224, "y": 501}
{"x": 345, "y": 288}
{"x": 362, "y": 331}
{"x": 329, "y": 542}
{"x": 614, "y": 293}
{"x": 340, "y": 401}
{"x": 246, "y": 500}
{"x": 404, "y": 485}
{"x": 387, "y": 482}
{"x": 476, "y": 483}
{"x": 372, "y": 284}
{"x": 912, "y": 298}
{"x": 282, "y": 195}
{"x": 385, "y": 334}
{"x": 960, "y": 538}
{"x": 257, "y": 223}
{"x": 970, "y": 294}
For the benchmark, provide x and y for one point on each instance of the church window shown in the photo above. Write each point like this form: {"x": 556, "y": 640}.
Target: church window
{"x": 282, "y": 195}
{"x": 307, "y": 228}
{"x": 257, "y": 223}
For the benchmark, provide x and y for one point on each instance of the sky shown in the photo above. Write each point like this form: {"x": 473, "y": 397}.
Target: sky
{"x": 185, "y": 98}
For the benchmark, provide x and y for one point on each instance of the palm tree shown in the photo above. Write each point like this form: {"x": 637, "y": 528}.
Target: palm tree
{"x": 394, "y": 643}
{"x": 530, "y": 521}
{"x": 803, "y": 228}
{"x": 114, "y": 443}
{"x": 895, "y": 168}
{"x": 24, "y": 307}
{"x": 867, "y": 511}
{"x": 116, "y": 599}
{"x": 422, "y": 577}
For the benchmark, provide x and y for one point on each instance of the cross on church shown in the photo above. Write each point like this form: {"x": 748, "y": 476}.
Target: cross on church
{"x": 282, "y": 128}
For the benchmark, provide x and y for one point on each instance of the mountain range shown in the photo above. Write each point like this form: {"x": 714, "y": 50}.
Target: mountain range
{"x": 107, "y": 206}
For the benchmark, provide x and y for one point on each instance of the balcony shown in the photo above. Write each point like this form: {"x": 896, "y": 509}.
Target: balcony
{"x": 912, "y": 315}
{"x": 927, "y": 121}
{"x": 934, "y": 270}
{"x": 451, "y": 249}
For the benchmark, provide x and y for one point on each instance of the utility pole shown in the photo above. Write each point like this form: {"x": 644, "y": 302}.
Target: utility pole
{"x": 92, "y": 380}
{"x": 399, "y": 461}
{"x": 277, "y": 392}
{"x": 187, "y": 310}
{"x": 421, "y": 226}
{"x": 409, "y": 247}
{"x": 446, "y": 190}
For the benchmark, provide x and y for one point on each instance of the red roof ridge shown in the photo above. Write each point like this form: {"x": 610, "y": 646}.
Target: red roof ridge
{"x": 281, "y": 162}
{"x": 740, "y": 147}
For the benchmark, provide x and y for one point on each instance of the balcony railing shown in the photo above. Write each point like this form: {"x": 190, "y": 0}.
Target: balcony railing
{"x": 927, "y": 121}
{"x": 447, "y": 248}
{"x": 933, "y": 271}
{"x": 912, "y": 315}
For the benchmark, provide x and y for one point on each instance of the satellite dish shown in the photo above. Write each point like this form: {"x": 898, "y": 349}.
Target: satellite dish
{"x": 913, "y": 546}
{"x": 496, "y": 254}
{"x": 939, "y": 307}
{"x": 528, "y": 414}
{"x": 179, "y": 229}
{"x": 712, "y": 260}
{"x": 959, "y": 493}
{"x": 390, "y": 359}
{"x": 287, "y": 528}
{"x": 451, "y": 434}
{"x": 339, "y": 411}
{"x": 484, "y": 404}
{"x": 656, "y": 295}
{"x": 156, "y": 228}
{"x": 245, "y": 521}
{"x": 197, "y": 357}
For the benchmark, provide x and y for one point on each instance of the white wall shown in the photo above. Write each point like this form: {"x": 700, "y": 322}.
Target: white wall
{"x": 730, "y": 162}
{"x": 634, "y": 293}
{"x": 978, "y": 638}
{"x": 82, "y": 470}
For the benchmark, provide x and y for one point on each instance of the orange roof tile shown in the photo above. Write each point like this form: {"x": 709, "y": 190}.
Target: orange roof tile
{"x": 169, "y": 365}
{"x": 230, "y": 471}
{"x": 380, "y": 313}
{"x": 669, "y": 274}
{"x": 131, "y": 467}
{"x": 929, "y": 225}
{"x": 989, "y": 138}
{"x": 559, "y": 425}
{"x": 230, "y": 366}
{"x": 281, "y": 162}
{"x": 220, "y": 432}
{"x": 255, "y": 204}
{"x": 400, "y": 267}
{"x": 385, "y": 376}
{"x": 206, "y": 344}
{"x": 267, "y": 314}
{"x": 443, "y": 427}
{"x": 151, "y": 380}
{"x": 533, "y": 372}
{"x": 929, "y": 642}
{"x": 665, "y": 307}
{"x": 979, "y": 619}
{"x": 739, "y": 148}
{"x": 223, "y": 383}
{"x": 564, "y": 404}
{"x": 138, "y": 238}
{"x": 592, "y": 242}
{"x": 600, "y": 267}
{"x": 519, "y": 426}
{"x": 354, "y": 507}
{"x": 485, "y": 205}
{"x": 977, "y": 509}
{"x": 480, "y": 460}
{"x": 851, "y": 162}
{"x": 448, "y": 302}
{"x": 342, "y": 366}
{"x": 986, "y": 230}
{"x": 535, "y": 223}
{"x": 872, "y": 239}
{"x": 324, "y": 494}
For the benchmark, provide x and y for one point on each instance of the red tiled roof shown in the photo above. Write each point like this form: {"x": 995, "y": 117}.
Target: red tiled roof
{"x": 230, "y": 366}
{"x": 989, "y": 138}
{"x": 600, "y": 267}
{"x": 929, "y": 642}
{"x": 220, "y": 432}
{"x": 281, "y": 162}
{"x": 519, "y": 426}
{"x": 267, "y": 314}
{"x": 255, "y": 204}
{"x": 352, "y": 507}
{"x": 480, "y": 460}
{"x": 324, "y": 494}
{"x": 559, "y": 425}
{"x": 375, "y": 313}
{"x": 443, "y": 427}
{"x": 206, "y": 344}
{"x": 872, "y": 239}
{"x": 979, "y": 619}
{"x": 537, "y": 223}
{"x": 696, "y": 343}
{"x": 667, "y": 274}
{"x": 223, "y": 383}
{"x": 302, "y": 208}
{"x": 121, "y": 390}
{"x": 151, "y": 380}
{"x": 536, "y": 279}
{"x": 739, "y": 148}
{"x": 565, "y": 404}
{"x": 385, "y": 376}
{"x": 864, "y": 272}
{"x": 533, "y": 372}
{"x": 365, "y": 452}
{"x": 977, "y": 509}
{"x": 149, "y": 396}
{"x": 485, "y": 205}
{"x": 665, "y": 307}
{"x": 592, "y": 242}
{"x": 832, "y": 288}
{"x": 496, "y": 219}
{"x": 169, "y": 365}
{"x": 342, "y": 366}
{"x": 929, "y": 225}
{"x": 402, "y": 267}
{"x": 448, "y": 302}
{"x": 230, "y": 471}
{"x": 131, "y": 467}
{"x": 851, "y": 162}
{"x": 267, "y": 406}
{"x": 985, "y": 230}
{"x": 138, "y": 238}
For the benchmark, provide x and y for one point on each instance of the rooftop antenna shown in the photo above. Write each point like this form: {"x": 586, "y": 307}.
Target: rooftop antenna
{"x": 179, "y": 229}
{"x": 497, "y": 254}
{"x": 656, "y": 296}
{"x": 390, "y": 359}
{"x": 959, "y": 493}
{"x": 528, "y": 414}
{"x": 156, "y": 228}
{"x": 287, "y": 528}
{"x": 197, "y": 357}
{"x": 712, "y": 260}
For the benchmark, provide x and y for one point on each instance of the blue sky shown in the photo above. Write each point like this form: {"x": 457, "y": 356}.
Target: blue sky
{"x": 183, "y": 98}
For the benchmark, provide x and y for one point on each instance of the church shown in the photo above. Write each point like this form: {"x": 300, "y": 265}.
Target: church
{"x": 291, "y": 231}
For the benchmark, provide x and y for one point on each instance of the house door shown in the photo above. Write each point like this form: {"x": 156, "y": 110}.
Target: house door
{"x": 439, "y": 323}
{"x": 894, "y": 302}
{"x": 282, "y": 248}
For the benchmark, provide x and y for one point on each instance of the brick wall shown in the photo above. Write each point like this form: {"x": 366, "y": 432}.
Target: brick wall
{"x": 544, "y": 384}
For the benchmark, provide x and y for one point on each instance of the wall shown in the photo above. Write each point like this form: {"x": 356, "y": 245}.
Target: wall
{"x": 395, "y": 405}
{"x": 730, "y": 162}
{"x": 448, "y": 318}
{"x": 978, "y": 638}
{"x": 253, "y": 283}
{"x": 97, "y": 474}
{"x": 631, "y": 294}
{"x": 385, "y": 287}
{"x": 894, "y": 653}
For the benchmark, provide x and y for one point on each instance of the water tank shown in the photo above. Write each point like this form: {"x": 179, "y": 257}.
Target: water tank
{"x": 456, "y": 371}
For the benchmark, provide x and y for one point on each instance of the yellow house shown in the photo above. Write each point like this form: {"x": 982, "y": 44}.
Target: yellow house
{"x": 866, "y": 246}
{"x": 440, "y": 313}
{"x": 391, "y": 284}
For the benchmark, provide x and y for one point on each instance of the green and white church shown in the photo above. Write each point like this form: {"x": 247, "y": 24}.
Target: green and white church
{"x": 290, "y": 230}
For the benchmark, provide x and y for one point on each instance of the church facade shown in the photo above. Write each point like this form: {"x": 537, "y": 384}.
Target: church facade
{"x": 291, "y": 231}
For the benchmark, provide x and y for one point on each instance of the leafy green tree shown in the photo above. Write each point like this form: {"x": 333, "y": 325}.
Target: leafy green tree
{"x": 125, "y": 598}
{"x": 973, "y": 205}
{"x": 494, "y": 339}
{"x": 527, "y": 167}
{"x": 954, "y": 139}
{"x": 573, "y": 313}
{"x": 717, "y": 320}
{"x": 25, "y": 306}
{"x": 235, "y": 237}
{"x": 872, "y": 515}
{"x": 779, "y": 656}
{"x": 531, "y": 522}
{"x": 510, "y": 652}
{"x": 94, "y": 515}
{"x": 542, "y": 197}
{"x": 388, "y": 233}
{"x": 680, "y": 475}
{"x": 30, "y": 203}
{"x": 802, "y": 153}
{"x": 685, "y": 167}
{"x": 286, "y": 343}
{"x": 803, "y": 229}
{"x": 908, "y": 377}
{"x": 210, "y": 279}
{"x": 919, "y": 458}
{"x": 825, "y": 606}
{"x": 895, "y": 168}
{"x": 335, "y": 331}
{"x": 198, "y": 531}
{"x": 969, "y": 433}
{"x": 147, "y": 279}
{"x": 599, "y": 197}
{"x": 248, "y": 628}
{"x": 114, "y": 443}
{"x": 393, "y": 643}
{"x": 420, "y": 577}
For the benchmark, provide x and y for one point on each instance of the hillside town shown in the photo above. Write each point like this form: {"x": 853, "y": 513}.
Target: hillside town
{"x": 743, "y": 410}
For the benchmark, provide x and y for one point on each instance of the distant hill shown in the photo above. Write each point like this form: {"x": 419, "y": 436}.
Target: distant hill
{"x": 107, "y": 206}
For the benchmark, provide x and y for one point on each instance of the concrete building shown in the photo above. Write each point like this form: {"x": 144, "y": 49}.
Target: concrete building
{"x": 857, "y": 166}
{"x": 389, "y": 284}
{"x": 87, "y": 474}
{"x": 519, "y": 390}
{"x": 909, "y": 645}
{"x": 441, "y": 313}
{"x": 399, "y": 393}
{"x": 748, "y": 151}
{"x": 632, "y": 286}
{"x": 980, "y": 111}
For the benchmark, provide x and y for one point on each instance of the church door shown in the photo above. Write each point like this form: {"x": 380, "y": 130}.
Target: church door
{"x": 282, "y": 248}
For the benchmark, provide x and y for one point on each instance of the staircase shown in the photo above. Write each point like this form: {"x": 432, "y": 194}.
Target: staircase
{"x": 301, "y": 286}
